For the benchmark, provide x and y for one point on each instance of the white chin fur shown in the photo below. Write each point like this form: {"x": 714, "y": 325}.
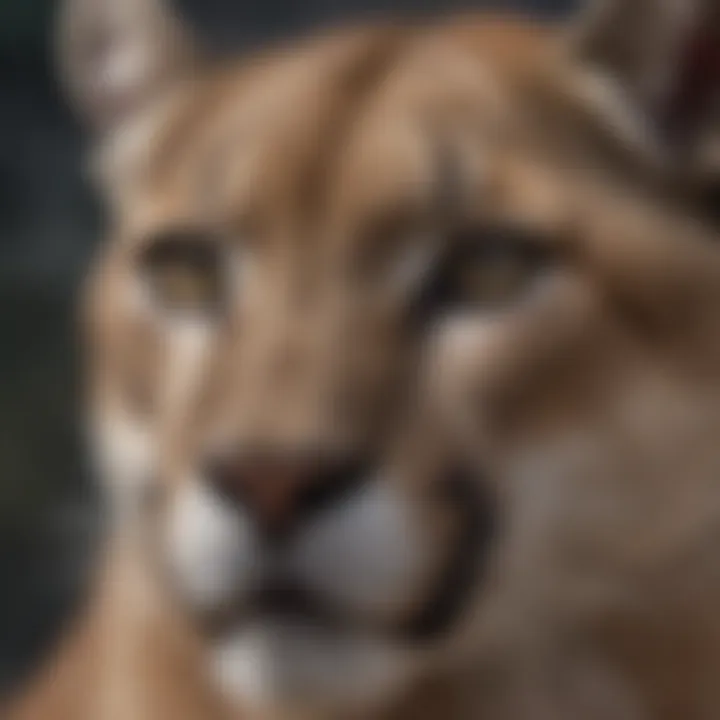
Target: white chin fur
{"x": 210, "y": 547}
{"x": 292, "y": 667}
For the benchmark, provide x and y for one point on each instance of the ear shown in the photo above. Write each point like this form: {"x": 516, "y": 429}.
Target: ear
{"x": 116, "y": 55}
{"x": 664, "y": 57}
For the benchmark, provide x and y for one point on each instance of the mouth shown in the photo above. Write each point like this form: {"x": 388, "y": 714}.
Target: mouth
{"x": 283, "y": 599}
{"x": 287, "y": 598}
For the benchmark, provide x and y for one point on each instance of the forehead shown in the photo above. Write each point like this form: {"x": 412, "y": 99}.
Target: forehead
{"x": 365, "y": 124}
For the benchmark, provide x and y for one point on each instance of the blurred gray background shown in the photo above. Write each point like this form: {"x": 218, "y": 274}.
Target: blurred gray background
{"x": 49, "y": 223}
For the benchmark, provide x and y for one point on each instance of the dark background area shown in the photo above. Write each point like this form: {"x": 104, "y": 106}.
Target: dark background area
{"x": 49, "y": 224}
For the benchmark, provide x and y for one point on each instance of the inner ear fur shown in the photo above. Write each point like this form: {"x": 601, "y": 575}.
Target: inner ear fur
{"x": 664, "y": 57}
{"x": 115, "y": 56}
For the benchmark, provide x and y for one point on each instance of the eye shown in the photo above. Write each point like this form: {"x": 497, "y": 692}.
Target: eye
{"x": 487, "y": 269}
{"x": 184, "y": 271}
{"x": 491, "y": 277}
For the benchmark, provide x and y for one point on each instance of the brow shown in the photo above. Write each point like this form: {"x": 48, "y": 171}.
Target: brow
{"x": 415, "y": 262}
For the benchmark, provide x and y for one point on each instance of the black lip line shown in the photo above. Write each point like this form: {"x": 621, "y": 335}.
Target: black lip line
{"x": 461, "y": 575}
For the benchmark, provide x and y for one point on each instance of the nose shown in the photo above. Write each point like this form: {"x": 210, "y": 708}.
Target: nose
{"x": 280, "y": 490}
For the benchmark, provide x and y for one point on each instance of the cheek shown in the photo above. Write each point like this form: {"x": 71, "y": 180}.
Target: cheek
{"x": 209, "y": 547}
{"x": 373, "y": 556}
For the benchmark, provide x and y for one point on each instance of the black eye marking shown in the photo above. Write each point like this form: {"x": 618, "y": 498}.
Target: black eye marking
{"x": 184, "y": 270}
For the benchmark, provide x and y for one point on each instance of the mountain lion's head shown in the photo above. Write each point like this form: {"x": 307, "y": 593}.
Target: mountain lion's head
{"x": 403, "y": 346}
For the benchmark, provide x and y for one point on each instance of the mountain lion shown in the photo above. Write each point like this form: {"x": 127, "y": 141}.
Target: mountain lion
{"x": 403, "y": 360}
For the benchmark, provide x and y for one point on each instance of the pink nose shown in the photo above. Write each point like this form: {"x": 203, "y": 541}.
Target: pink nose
{"x": 280, "y": 490}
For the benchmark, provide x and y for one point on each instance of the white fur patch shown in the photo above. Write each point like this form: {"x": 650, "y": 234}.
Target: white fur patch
{"x": 370, "y": 555}
{"x": 189, "y": 341}
{"x": 210, "y": 547}
{"x": 123, "y": 452}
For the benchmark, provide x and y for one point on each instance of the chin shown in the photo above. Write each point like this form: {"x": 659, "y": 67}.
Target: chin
{"x": 293, "y": 668}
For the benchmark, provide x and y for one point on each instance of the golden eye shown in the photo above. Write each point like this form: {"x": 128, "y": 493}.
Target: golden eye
{"x": 184, "y": 272}
{"x": 484, "y": 269}
{"x": 185, "y": 286}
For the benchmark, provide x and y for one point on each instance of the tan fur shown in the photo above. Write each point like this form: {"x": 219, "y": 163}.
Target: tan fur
{"x": 593, "y": 409}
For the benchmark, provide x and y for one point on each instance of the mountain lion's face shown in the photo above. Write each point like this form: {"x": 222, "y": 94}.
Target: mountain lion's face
{"x": 399, "y": 348}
